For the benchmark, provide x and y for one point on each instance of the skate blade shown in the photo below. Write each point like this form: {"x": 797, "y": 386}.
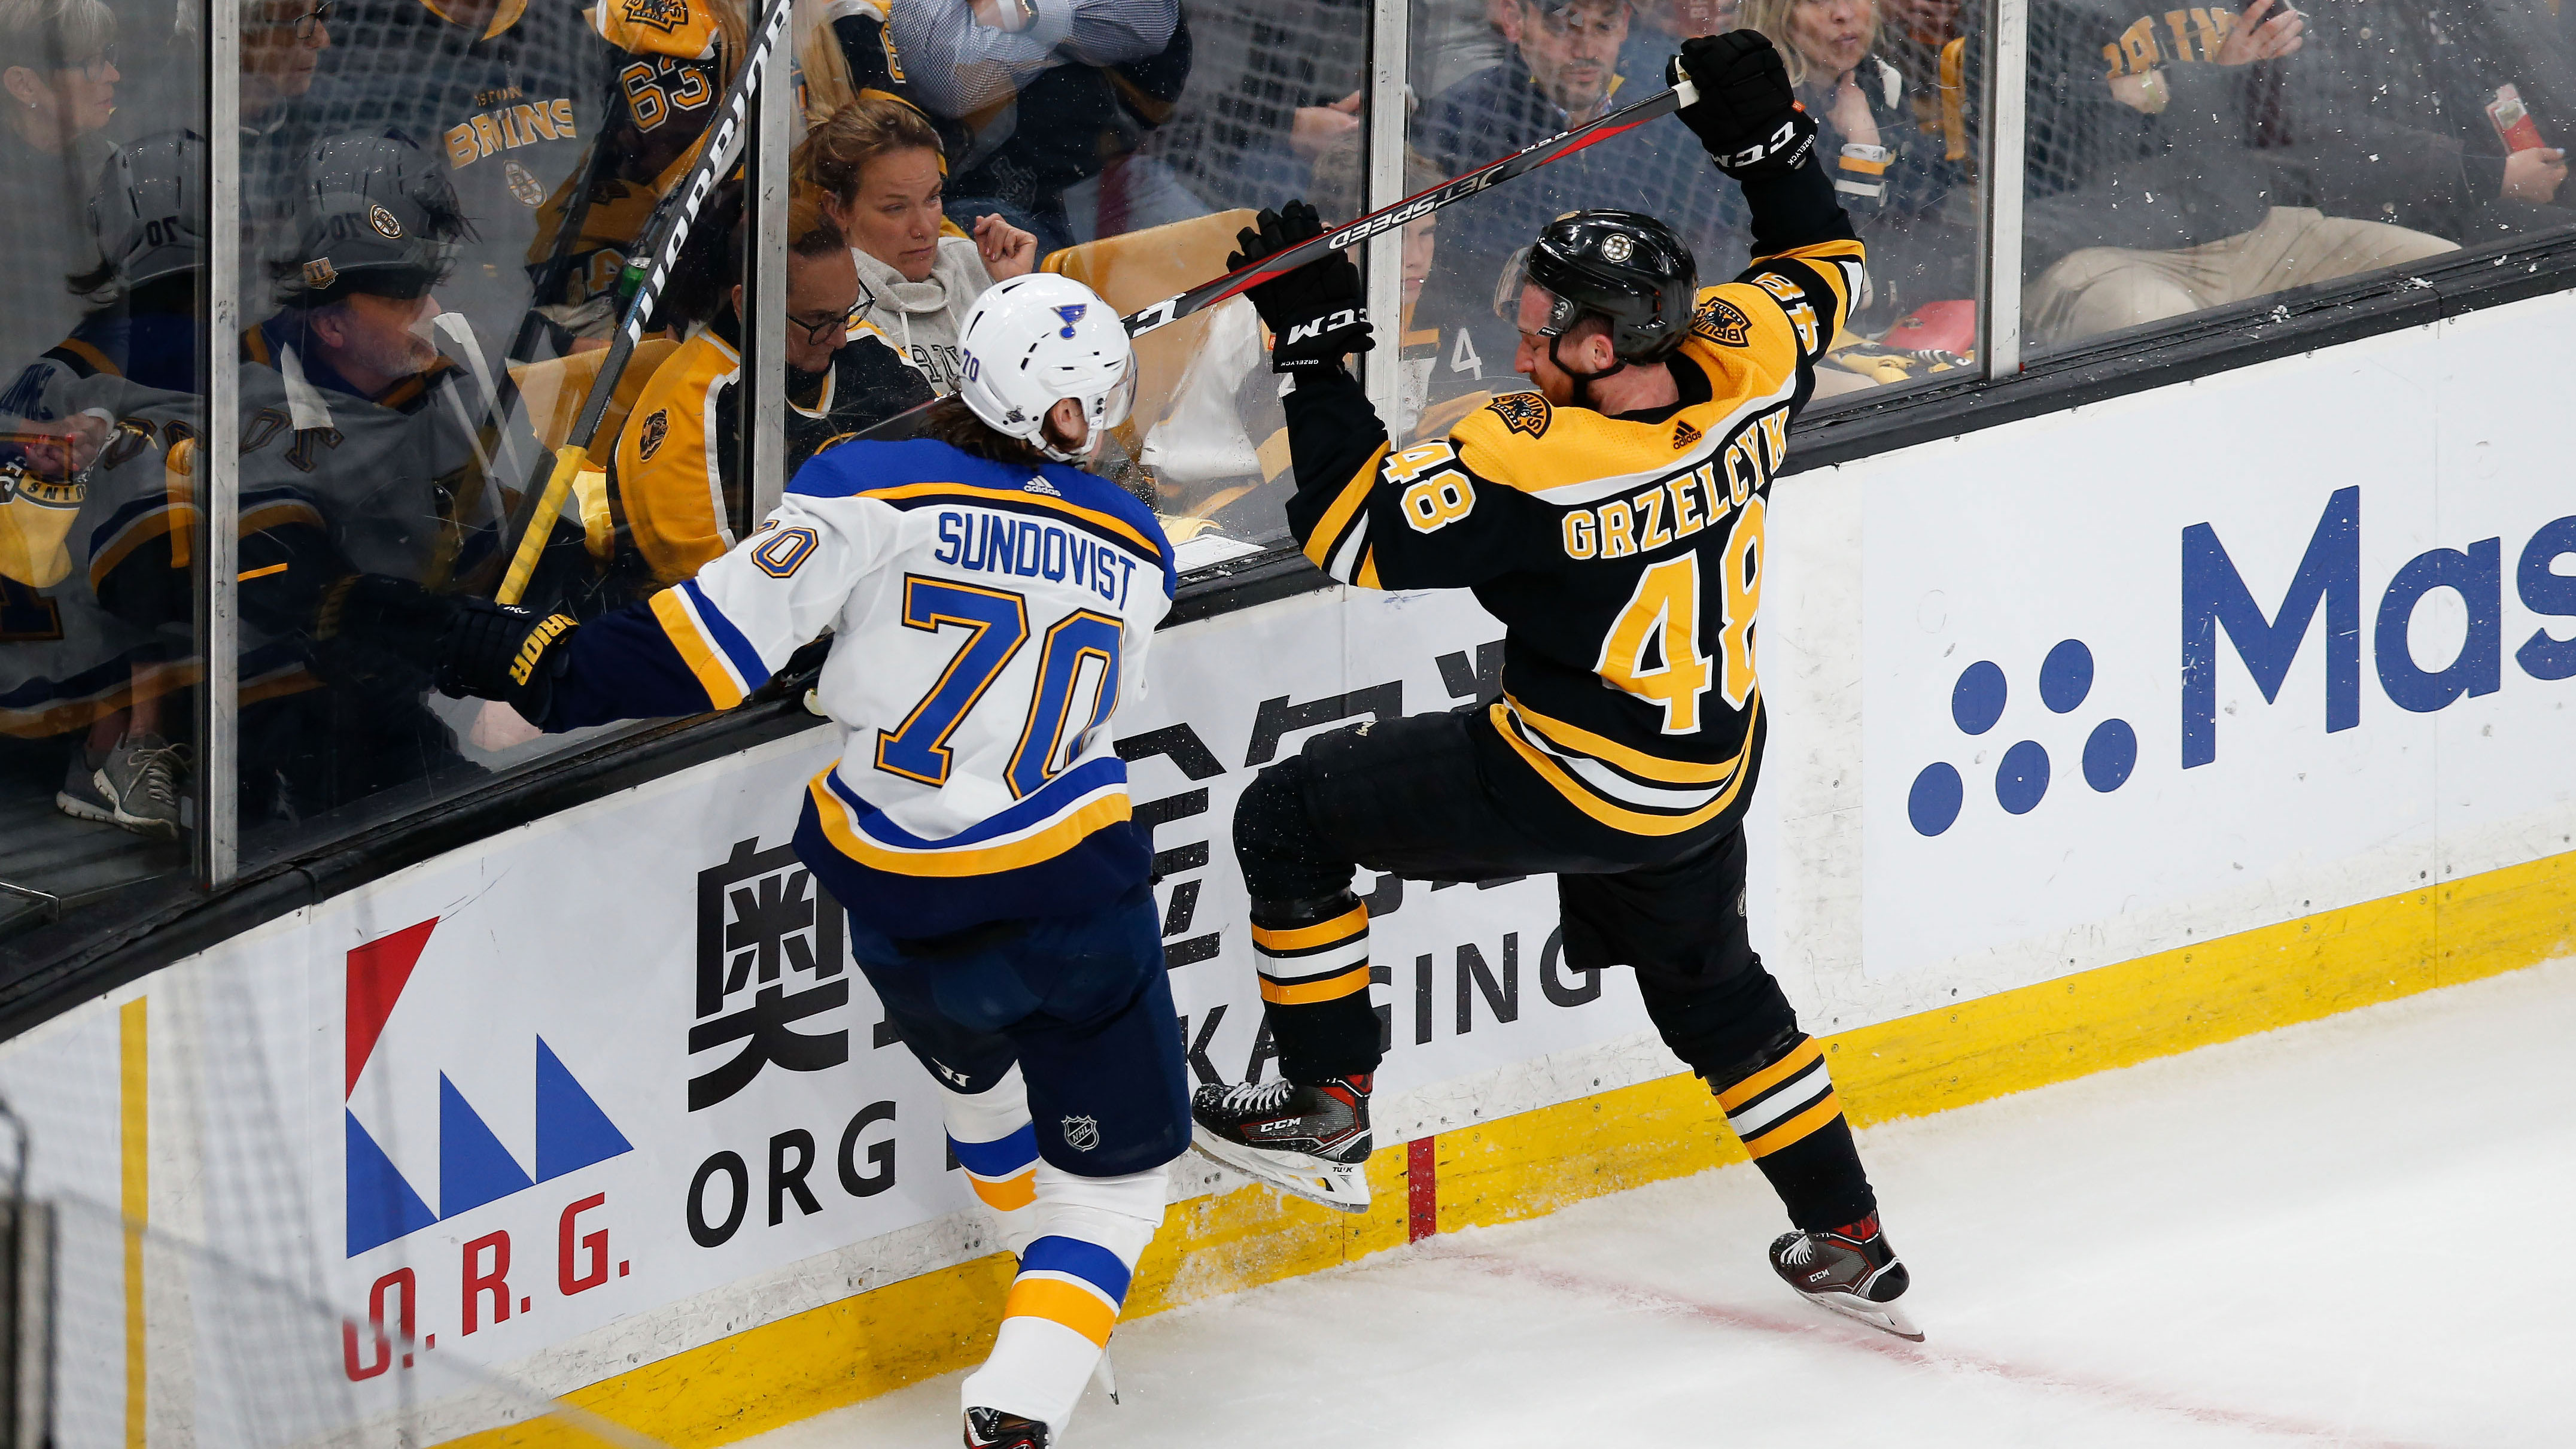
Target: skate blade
{"x": 1885, "y": 1317}
{"x": 1342, "y": 1186}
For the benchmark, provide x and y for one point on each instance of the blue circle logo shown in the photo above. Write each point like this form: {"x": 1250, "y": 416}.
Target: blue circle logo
{"x": 1977, "y": 703}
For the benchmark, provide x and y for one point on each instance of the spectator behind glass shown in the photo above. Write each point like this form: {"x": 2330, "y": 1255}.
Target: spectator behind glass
{"x": 1454, "y": 39}
{"x": 1660, "y": 27}
{"x": 1271, "y": 87}
{"x": 125, "y": 377}
{"x": 2384, "y": 115}
{"x": 1046, "y": 101}
{"x": 58, "y": 65}
{"x": 686, "y": 428}
{"x": 1888, "y": 175}
{"x": 2146, "y": 196}
{"x": 876, "y": 163}
{"x": 1561, "y": 73}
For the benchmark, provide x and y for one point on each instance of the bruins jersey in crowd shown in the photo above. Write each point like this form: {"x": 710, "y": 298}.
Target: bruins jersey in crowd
{"x": 1623, "y": 554}
{"x": 675, "y": 483}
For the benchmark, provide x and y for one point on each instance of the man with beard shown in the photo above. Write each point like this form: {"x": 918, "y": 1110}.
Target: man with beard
{"x": 1562, "y": 71}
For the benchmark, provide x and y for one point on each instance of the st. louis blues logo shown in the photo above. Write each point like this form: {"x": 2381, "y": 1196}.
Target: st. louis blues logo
{"x": 1071, "y": 314}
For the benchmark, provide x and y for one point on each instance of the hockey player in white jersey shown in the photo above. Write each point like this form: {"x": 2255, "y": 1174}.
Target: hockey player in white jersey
{"x": 991, "y": 609}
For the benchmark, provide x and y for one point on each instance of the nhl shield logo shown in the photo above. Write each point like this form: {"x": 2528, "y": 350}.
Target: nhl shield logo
{"x": 384, "y": 223}
{"x": 1081, "y": 1133}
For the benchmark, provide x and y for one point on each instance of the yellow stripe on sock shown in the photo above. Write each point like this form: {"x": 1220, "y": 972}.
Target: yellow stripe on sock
{"x": 1805, "y": 1054}
{"x": 1323, "y": 933}
{"x": 1790, "y": 1132}
{"x": 1008, "y": 1195}
{"x": 1331, "y": 988}
{"x": 1058, "y": 1301}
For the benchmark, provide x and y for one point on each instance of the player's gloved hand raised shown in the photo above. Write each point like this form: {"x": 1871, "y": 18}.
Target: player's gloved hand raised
{"x": 1315, "y": 313}
{"x": 1748, "y": 116}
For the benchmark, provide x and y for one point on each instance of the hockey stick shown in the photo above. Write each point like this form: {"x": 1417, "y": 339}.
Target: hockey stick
{"x": 1413, "y": 208}
{"x": 662, "y": 238}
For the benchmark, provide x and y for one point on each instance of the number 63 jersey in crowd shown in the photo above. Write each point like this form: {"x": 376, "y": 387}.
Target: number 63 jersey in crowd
{"x": 1623, "y": 553}
{"x": 988, "y": 619}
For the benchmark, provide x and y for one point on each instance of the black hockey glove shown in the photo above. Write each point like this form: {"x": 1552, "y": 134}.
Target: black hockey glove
{"x": 472, "y": 646}
{"x": 1315, "y": 314}
{"x": 1748, "y": 117}
{"x": 504, "y": 652}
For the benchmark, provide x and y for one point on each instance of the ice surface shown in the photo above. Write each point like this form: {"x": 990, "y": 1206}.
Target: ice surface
{"x": 2347, "y": 1233}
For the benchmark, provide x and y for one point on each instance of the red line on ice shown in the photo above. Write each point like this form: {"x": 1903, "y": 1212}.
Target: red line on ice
{"x": 2131, "y": 1395}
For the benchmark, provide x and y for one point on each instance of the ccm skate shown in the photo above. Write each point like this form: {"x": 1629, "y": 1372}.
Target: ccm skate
{"x": 1312, "y": 1141}
{"x": 1850, "y": 1270}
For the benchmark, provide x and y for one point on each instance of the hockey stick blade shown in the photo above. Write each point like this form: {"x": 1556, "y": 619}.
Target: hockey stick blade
{"x": 663, "y": 237}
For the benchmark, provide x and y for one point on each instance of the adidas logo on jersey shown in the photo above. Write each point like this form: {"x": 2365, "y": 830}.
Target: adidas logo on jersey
{"x": 1684, "y": 434}
{"x": 1040, "y": 485}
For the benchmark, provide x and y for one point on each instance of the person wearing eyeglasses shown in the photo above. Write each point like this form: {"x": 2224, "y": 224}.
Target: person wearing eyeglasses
{"x": 282, "y": 43}
{"x": 675, "y": 480}
{"x": 58, "y": 79}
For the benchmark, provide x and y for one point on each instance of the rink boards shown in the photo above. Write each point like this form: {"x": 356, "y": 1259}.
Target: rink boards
{"x": 2095, "y": 737}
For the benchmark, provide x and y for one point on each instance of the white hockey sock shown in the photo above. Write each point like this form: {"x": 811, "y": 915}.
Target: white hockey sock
{"x": 1072, "y": 1284}
{"x": 990, "y": 1134}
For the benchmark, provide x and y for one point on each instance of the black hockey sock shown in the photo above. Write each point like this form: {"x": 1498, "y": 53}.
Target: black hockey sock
{"x": 1783, "y": 1108}
{"x": 1314, "y": 964}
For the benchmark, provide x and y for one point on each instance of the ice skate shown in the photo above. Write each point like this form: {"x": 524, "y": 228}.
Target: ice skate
{"x": 1312, "y": 1141}
{"x": 993, "y": 1429}
{"x": 1850, "y": 1270}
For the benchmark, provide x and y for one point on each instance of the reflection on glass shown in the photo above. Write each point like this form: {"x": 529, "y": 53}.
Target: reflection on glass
{"x": 2184, "y": 159}
{"x": 1885, "y": 88}
{"x": 99, "y": 342}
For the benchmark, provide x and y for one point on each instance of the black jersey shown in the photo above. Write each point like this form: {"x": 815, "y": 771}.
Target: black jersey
{"x": 1623, "y": 554}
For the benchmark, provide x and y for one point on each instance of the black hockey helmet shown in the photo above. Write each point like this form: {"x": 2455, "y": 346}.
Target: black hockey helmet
{"x": 372, "y": 214}
{"x": 1624, "y": 267}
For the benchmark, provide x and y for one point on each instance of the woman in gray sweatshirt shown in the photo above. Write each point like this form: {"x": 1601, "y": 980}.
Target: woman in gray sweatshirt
{"x": 878, "y": 163}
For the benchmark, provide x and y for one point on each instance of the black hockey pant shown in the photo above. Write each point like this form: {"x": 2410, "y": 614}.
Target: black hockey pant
{"x": 1408, "y": 797}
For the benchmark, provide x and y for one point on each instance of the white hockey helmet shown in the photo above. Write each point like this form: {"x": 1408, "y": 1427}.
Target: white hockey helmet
{"x": 1037, "y": 339}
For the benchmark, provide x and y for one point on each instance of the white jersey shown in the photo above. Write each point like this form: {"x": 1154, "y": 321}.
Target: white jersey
{"x": 989, "y": 620}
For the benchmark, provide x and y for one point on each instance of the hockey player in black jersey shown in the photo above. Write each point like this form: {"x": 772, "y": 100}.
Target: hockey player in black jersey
{"x": 1614, "y": 521}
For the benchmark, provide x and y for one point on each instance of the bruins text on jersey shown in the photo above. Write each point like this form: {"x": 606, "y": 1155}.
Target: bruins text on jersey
{"x": 1615, "y": 522}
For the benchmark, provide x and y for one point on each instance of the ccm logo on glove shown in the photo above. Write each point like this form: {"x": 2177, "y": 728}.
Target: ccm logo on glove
{"x": 1316, "y": 329}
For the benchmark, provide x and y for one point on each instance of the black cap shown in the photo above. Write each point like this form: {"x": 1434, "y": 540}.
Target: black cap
{"x": 372, "y": 214}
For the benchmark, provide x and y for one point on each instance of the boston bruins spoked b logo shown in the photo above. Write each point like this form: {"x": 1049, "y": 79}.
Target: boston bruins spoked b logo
{"x": 1523, "y": 412}
{"x": 656, "y": 428}
{"x": 1720, "y": 322}
{"x": 384, "y": 223}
